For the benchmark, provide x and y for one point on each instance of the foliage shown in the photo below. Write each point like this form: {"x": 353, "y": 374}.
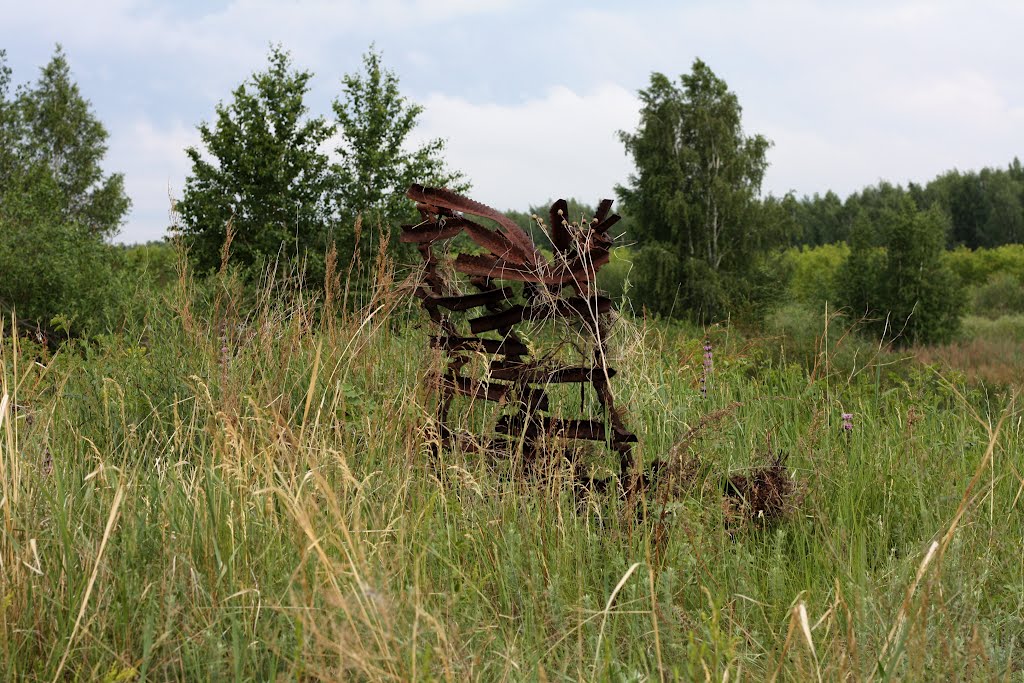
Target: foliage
{"x": 694, "y": 195}
{"x": 376, "y": 165}
{"x": 895, "y": 275}
{"x": 986, "y": 208}
{"x": 155, "y": 261}
{"x": 243, "y": 501}
{"x": 975, "y": 267}
{"x": 983, "y": 208}
{"x": 812, "y": 272}
{"x": 1008, "y": 327}
{"x": 262, "y": 174}
{"x": 56, "y": 204}
{"x": 58, "y": 142}
{"x": 262, "y": 171}
{"x": 1003, "y": 294}
{"x": 821, "y": 220}
{"x": 58, "y": 275}
{"x": 8, "y": 148}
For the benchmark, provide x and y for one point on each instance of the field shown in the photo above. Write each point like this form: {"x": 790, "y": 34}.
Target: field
{"x": 228, "y": 497}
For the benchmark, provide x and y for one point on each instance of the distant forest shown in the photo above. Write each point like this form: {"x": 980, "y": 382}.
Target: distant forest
{"x": 983, "y": 208}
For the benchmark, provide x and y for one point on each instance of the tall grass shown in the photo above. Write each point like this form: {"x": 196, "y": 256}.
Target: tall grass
{"x": 229, "y": 496}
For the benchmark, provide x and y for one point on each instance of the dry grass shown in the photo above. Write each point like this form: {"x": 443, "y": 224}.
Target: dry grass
{"x": 250, "y": 497}
{"x": 998, "y": 362}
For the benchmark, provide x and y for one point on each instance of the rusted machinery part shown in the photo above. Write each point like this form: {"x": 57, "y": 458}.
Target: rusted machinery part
{"x": 515, "y": 379}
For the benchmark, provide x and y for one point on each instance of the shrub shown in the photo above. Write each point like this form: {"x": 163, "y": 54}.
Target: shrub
{"x": 59, "y": 273}
{"x": 897, "y": 277}
{"x": 1002, "y": 294}
{"x": 813, "y": 271}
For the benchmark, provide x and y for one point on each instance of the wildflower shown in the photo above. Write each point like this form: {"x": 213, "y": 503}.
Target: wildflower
{"x": 847, "y": 422}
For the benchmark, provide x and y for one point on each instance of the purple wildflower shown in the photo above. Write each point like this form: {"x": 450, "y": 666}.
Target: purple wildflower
{"x": 847, "y": 422}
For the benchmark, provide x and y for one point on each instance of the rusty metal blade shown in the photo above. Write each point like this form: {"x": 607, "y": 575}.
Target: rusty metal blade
{"x": 496, "y": 243}
{"x": 456, "y": 202}
{"x": 466, "y": 386}
{"x": 584, "y": 308}
{"x": 607, "y": 223}
{"x": 496, "y": 268}
{"x": 430, "y": 232}
{"x": 560, "y": 236}
{"x": 577, "y": 270}
{"x": 603, "y": 208}
{"x": 496, "y": 321}
{"x": 562, "y": 308}
{"x": 589, "y": 430}
{"x": 536, "y": 399}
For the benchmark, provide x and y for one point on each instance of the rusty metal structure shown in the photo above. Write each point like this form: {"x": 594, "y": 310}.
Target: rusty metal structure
{"x": 476, "y": 301}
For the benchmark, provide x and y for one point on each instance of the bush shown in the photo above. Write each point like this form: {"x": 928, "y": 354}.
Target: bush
{"x": 1003, "y": 294}
{"x": 812, "y": 272}
{"x": 1004, "y": 328}
{"x": 896, "y": 275}
{"x": 975, "y": 267}
{"x": 59, "y": 274}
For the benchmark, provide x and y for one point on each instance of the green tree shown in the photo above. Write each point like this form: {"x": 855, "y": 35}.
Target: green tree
{"x": 821, "y": 220}
{"x": 7, "y": 134}
{"x": 1004, "y": 223}
{"x": 263, "y": 173}
{"x": 694, "y": 195}
{"x": 376, "y": 163}
{"x": 897, "y": 278}
{"x": 58, "y": 136}
{"x": 56, "y": 204}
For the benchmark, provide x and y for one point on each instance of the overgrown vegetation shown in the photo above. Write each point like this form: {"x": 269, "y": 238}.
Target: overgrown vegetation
{"x": 226, "y": 474}
{"x": 215, "y": 495}
{"x": 56, "y": 204}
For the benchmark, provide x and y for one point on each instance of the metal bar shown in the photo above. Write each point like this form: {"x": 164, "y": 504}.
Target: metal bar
{"x": 466, "y": 386}
{"x": 465, "y": 302}
{"x": 504, "y": 347}
{"x": 517, "y": 372}
{"x": 562, "y": 308}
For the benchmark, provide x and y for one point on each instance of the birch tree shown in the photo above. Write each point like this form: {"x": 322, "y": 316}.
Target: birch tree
{"x": 695, "y": 192}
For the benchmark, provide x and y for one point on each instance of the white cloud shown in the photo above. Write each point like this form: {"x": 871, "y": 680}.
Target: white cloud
{"x": 850, "y": 93}
{"x": 235, "y": 34}
{"x": 154, "y": 164}
{"x": 560, "y": 145}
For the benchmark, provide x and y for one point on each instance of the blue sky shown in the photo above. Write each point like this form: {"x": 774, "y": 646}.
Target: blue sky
{"x": 850, "y": 93}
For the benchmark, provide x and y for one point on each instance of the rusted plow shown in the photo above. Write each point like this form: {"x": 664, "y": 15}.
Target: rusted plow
{"x": 477, "y": 301}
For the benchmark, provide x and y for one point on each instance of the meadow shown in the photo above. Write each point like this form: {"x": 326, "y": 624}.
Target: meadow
{"x": 237, "y": 490}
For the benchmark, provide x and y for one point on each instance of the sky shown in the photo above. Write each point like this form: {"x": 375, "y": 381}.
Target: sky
{"x": 530, "y": 95}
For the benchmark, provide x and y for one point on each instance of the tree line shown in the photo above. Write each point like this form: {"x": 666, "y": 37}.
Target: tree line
{"x": 980, "y": 209}
{"x": 273, "y": 184}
